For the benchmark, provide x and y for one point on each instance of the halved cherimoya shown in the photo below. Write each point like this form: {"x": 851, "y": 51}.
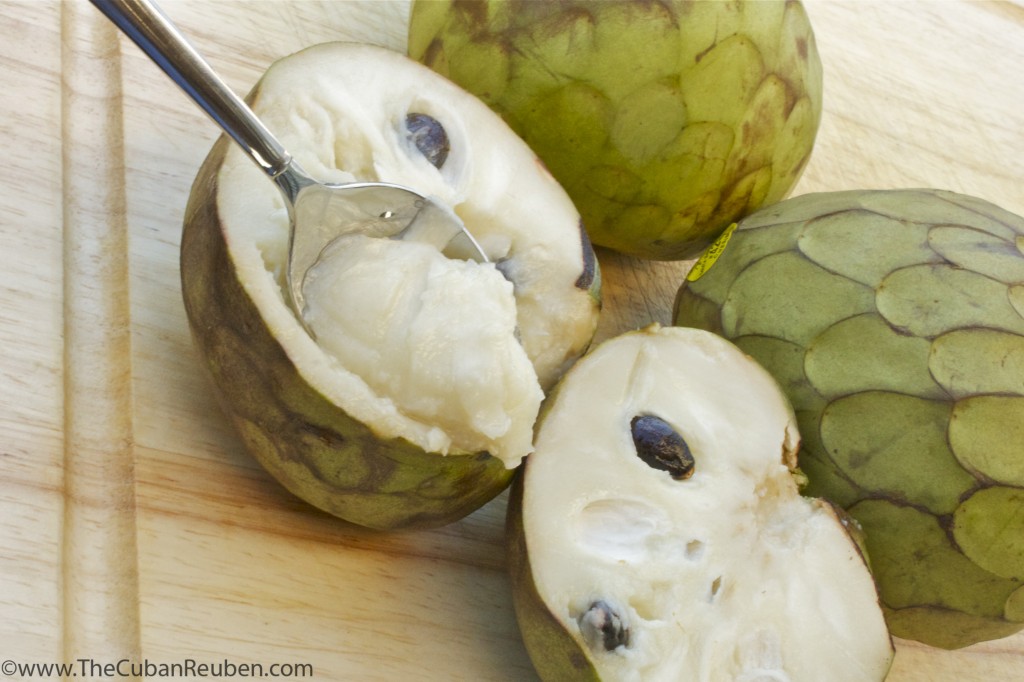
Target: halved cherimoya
{"x": 418, "y": 396}
{"x": 657, "y": 532}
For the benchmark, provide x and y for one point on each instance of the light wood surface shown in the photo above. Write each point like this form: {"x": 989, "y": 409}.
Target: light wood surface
{"x": 133, "y": 525}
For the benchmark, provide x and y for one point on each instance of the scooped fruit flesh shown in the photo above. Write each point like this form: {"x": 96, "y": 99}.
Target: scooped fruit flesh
{"x": 665, "y": 532}
{"x": 357, "y": 128}
{"x": 394, "y": 313}
{"x": 367, "y": 439}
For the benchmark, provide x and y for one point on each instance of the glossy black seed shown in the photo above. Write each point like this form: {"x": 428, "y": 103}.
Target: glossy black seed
{"x": 602, "y": 627}
{"x": 661, "y": 447}
{"x": 429, "y": 137}
{"x": 589, "y": 272}
{"x": 506, "y": 266}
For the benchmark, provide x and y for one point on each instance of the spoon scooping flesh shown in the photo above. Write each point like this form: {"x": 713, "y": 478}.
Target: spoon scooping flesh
{"x": 318, "y": 212}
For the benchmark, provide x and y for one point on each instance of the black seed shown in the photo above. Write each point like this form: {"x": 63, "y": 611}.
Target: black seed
{"x": 602, "y": 627}
{"x": 505, "y": 267}
{"x": 661, "y": 447}
{"x": 586, "y": 277}
{"x": 429, "y": 136}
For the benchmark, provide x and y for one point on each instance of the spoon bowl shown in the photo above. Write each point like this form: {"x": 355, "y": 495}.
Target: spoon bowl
{"x": 322, "y": 212}
{"x": 319, "y": 213}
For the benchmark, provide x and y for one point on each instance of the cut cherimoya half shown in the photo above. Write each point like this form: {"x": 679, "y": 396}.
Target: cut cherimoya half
{"x": 418, "y": 396}
{"x": 657, "y": 531}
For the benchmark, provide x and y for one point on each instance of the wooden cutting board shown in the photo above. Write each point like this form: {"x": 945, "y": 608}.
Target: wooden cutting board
{"x": 132, "y": 524}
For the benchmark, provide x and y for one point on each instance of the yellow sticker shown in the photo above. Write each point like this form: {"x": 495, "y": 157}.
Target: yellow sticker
{"x": 710, "y": 255}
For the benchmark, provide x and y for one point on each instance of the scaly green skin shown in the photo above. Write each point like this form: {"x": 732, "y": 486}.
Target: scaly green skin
{"x": 664, "y": 121}
{"x": 894, "y": 320}
{"x": 315, "y": 449}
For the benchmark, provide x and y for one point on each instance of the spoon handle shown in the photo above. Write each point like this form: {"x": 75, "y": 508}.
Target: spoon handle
{"x": 153, "y": 31}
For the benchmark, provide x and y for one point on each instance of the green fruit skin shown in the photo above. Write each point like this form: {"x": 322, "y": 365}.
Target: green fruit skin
{"x": 556, "y": 655}
{"x": 310, "y": 445}
{"x": 894, "y": 320}
{"x": 664, "y": 121}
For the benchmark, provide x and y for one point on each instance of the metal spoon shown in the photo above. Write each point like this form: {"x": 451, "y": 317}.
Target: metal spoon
{"x": 318, "y": 212}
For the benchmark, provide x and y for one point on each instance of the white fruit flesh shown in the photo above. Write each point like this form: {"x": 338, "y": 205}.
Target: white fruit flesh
{"x": 394, "y": 313}
{"x": 340, "y": 109}
{"x": 727, "y": 575}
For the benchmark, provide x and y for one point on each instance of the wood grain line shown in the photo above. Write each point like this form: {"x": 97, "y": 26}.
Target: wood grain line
{"x": 100, "y": 559}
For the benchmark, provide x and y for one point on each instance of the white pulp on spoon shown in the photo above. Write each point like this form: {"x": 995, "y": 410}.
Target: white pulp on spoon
{"x": 395, "y": 313}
